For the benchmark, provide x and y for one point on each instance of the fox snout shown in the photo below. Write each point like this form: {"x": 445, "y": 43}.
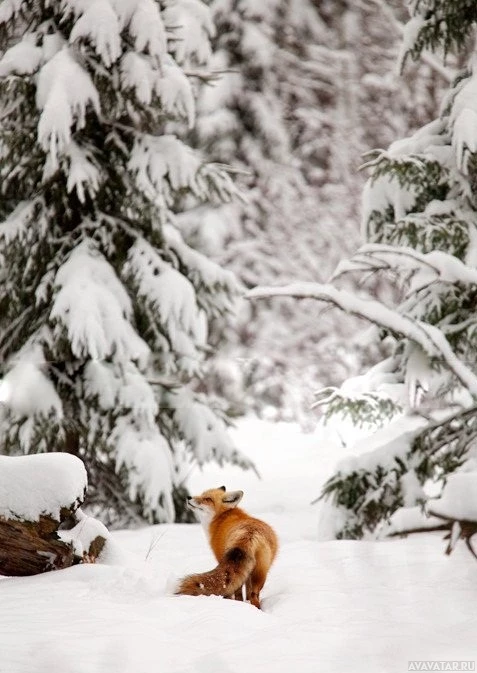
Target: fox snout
{"x": 196, "y": 504}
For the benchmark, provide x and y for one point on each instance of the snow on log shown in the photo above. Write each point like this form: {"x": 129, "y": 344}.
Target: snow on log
{"x": 43, "y": 484}
{"x": 88, "y": 537}
{"x": 37, "y": 494}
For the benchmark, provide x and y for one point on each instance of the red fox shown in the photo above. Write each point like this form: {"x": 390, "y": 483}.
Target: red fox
{"x": 243, "y": 546}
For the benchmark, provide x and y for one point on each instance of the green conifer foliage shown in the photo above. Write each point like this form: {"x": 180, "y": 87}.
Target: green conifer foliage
{"x": 420, "y": 216}
{"x": 420, "y": 229}
{"x": 103, "y": 306}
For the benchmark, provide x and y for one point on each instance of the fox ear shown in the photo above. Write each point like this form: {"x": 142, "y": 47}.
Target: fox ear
{"x": 221, "y": 488}
{"x": 233, "y": 498}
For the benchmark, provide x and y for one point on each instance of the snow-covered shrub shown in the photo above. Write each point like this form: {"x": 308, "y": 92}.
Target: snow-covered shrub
{"x": 419, "y": 224}
{"x": 104, "y": 308}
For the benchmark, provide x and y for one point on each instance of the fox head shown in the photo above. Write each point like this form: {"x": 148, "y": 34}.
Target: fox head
{"x": 213, "y": 502}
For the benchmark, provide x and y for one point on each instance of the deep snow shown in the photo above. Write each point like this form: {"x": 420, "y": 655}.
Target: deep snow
{"x": 39, "y": 484}
{"x": 328, "y": 606}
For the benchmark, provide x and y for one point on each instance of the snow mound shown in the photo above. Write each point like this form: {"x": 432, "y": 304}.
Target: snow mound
{"x": 85, "y": 533}
{"x": 406, "y": 519}
{"x": 40, "y": 484}
{"x": 458, "y": 499}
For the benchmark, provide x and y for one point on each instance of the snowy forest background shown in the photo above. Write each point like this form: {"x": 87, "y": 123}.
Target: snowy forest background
{"x": 174, "y": 176}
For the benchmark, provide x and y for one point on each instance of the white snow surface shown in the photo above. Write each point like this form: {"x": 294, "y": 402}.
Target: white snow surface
{"x": 38, "y": 484}
{"x": 458, "y": 499}
{"x": 86, "y": 531}
{"x": 328, "y": 607}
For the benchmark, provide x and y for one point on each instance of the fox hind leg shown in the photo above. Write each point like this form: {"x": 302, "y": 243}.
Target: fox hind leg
{"x": 248, "y": 588}
{"x": 239, "y": 594}
{"x": 254, "y": 586}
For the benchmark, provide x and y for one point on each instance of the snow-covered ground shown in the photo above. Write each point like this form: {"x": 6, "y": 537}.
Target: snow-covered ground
{"x": 327, "y": 606}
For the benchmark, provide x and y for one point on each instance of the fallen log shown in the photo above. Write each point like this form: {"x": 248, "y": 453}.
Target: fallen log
{"x": 24, "y": 550}
{"x": 38, "y": 494}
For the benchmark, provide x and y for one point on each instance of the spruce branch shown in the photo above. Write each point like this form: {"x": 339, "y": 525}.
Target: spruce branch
{"x": 430, "y": 338}
{"x": 447, "y": 75}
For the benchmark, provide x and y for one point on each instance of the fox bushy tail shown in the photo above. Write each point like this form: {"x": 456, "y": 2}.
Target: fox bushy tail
{"x": 224, "y": 580}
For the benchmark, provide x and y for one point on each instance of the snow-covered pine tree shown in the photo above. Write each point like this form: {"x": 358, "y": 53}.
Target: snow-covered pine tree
{"x": 419, "y": 221}
{"x": 304, "y": 83}
{"x": 103, "y": 306}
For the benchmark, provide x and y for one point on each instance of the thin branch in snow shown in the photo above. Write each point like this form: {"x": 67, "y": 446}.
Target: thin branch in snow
{"x": 460, "y": 327}
{"x": 153, "y": 544}
{"x": 210, "y": 77}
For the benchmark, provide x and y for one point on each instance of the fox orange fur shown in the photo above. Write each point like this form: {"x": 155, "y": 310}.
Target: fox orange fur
{"x": 243, "y": 546}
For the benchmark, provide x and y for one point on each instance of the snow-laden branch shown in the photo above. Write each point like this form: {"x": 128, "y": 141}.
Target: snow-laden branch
{"x": 430, "y": 338}
{"x": 400, "y": 29}
{"x": 65, "y": 91}
{"x": 93, "y": 308}
{"x": 375, "y": 256}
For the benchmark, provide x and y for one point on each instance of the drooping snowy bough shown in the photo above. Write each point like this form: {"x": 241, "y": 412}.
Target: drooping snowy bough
{"x": 419, "y": 229}
{"x": 38, "y": 494}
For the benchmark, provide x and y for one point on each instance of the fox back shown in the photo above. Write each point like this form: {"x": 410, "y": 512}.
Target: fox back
{"x": 244, "y": 547}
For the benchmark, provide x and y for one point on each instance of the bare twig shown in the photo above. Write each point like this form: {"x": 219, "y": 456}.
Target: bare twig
{"x": 153, "y": 544}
